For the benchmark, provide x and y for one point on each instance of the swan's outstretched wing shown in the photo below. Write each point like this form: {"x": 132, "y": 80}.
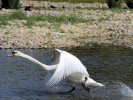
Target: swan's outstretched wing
{"x": 68, "y": 64}
{"x": 47, "y": 77}
{"x": 56, "y": 56}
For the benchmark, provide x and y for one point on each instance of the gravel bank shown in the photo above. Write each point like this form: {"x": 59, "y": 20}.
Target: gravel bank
{"x": 48, "y": 4}
{"x": 108, "y": 27}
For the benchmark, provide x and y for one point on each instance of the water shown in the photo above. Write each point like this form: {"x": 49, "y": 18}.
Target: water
{"x": 112, "y": 66}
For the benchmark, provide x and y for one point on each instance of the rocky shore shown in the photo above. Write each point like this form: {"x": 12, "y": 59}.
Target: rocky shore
{"x": 48, "y": 4}
{"x": 107, "y": 27}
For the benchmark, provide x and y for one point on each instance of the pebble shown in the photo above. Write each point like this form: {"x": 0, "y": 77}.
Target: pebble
{"x": 113, "y": 31}
{"x": 61, "y": 33}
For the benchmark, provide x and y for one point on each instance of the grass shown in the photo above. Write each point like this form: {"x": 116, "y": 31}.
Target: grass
{"x": 7, "y": 32}
{"x": 4, "y": 41}
{"x": 4, "y": 20}
{"x": 64, "y": 19}
{"x": 55, "y": 21}
{"x": 19, "y": 15}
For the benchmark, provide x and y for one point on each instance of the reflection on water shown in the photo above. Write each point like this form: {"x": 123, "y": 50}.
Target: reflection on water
{"x": 113, "y": 66}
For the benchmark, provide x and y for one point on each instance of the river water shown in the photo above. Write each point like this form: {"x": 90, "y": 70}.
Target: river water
{"x": 21, "y": 79}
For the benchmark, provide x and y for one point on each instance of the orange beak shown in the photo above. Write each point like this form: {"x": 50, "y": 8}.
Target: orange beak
{"x": 11, "y": 55}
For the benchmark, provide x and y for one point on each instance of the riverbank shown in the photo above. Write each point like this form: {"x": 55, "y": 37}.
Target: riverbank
{"x": 100, "y": 26}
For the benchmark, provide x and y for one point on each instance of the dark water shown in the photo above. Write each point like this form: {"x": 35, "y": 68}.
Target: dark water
{"x": 21, "y": 79}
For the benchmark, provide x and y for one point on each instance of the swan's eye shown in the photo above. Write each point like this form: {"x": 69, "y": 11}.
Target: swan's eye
{"x": 14, "y": 52}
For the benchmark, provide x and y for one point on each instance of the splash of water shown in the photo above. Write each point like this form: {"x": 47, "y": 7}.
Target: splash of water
{"x": 113, "y": 89}
{"x": 126, "y": 91}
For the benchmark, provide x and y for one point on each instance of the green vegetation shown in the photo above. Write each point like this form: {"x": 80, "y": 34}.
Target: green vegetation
{"x": 14, "y": 16}
{"x": 11, "y": 4}
{"x": 4, "y": 41}
{"x": 19, "y": 15}
{"x": 7, "y": 32}
{"x": 4, "y": 20}
{"x": 55, "y": 21}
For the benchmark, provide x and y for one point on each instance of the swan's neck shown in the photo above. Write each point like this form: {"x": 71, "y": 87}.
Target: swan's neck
{"x": 46, "y": 67}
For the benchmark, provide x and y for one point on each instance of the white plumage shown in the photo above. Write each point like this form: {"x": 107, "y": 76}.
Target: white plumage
{"x": 67, "y": 65}
{"x": 63, "y": 66}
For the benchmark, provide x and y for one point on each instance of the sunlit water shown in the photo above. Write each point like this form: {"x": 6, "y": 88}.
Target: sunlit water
{"x": 112, "y": 66}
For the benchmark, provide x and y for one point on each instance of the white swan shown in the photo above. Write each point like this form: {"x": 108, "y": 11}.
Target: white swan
{"x": 63, "y": 66}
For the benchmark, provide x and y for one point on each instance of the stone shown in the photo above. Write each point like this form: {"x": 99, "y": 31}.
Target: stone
{"x": 29, "y": 8}
{"x": 52, "y": 6}
{"x": 124, "y": 5}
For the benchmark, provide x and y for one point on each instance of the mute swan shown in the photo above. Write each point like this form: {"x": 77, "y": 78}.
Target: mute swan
{"x": 63, "y": 66}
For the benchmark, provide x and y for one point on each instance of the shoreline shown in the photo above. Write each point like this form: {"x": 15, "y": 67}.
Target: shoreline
{"x": 106, "y": 27}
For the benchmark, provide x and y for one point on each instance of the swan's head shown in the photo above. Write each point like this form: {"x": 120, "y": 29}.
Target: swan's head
{"x": 15, "y": 53}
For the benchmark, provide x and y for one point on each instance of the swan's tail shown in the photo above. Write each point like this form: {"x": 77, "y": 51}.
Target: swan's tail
{"x": 91, "y": 82}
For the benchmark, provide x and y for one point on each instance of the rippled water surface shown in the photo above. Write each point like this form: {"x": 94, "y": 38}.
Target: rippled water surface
{"x": 112, "y": 66}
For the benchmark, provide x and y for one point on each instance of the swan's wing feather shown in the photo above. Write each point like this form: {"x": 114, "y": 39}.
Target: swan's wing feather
{"x": 68, "y": 64}
{"x": 47, "y": 77}
{"x": 56, "y": 56}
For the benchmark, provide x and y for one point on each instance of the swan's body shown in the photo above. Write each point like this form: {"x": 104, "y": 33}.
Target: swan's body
{"x": 63, "y": 66}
